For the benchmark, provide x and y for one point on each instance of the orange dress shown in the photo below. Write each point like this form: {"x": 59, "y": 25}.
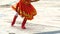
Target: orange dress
{"x": 25, "y": 9}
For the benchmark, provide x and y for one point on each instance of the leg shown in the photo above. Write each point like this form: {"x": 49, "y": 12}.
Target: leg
{"x": 14, "y": 19}
{"x": 23, "y": 23}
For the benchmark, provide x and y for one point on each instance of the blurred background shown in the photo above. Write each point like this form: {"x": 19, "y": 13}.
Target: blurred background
{"x": 48, "y": 15}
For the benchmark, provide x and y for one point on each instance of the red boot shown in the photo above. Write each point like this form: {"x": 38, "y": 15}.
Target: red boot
{"x": 14, "y": 19}
{"x": 23, "y": 24}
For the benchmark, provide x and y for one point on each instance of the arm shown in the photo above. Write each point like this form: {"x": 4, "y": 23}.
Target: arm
{"x": 34, "y": 0}
{"x": 17, "y": 7}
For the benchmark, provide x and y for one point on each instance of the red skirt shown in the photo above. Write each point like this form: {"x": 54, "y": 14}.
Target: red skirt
{"x": 26, "y": 10}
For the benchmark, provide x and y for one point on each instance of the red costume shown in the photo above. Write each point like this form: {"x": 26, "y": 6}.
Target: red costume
{"x": 24, "y": 9}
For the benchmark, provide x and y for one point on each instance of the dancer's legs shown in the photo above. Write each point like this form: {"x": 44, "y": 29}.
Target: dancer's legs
{"x": 14, "y": 19}
{"x": 23, "y": 23}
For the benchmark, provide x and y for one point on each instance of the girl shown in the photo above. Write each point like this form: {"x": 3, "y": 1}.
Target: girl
{"x": 24, "y": 9}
